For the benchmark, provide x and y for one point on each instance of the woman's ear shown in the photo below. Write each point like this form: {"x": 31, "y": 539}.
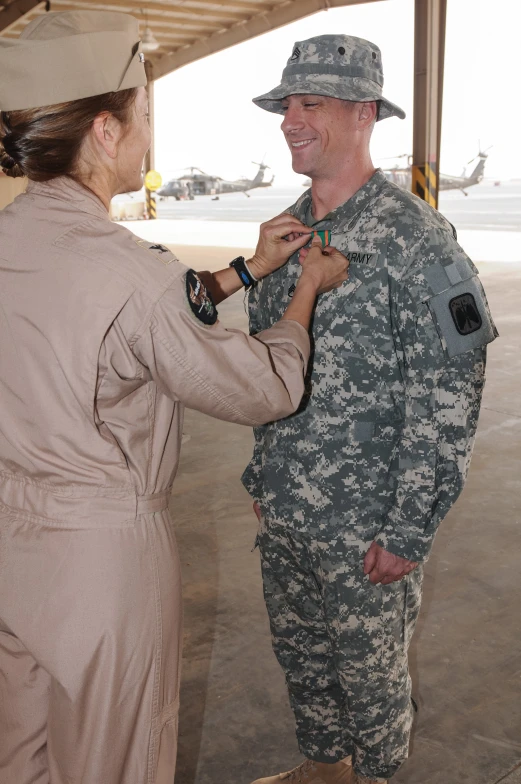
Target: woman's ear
{"x": 107, "y": 132}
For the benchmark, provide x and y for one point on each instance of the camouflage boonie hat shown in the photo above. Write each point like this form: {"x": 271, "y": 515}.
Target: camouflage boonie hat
{"x": 338, "y": 66}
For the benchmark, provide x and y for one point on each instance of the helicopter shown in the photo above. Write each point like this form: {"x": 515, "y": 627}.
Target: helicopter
{"x": 176, "y": 189}
{"x": 402, "y": 176}
{"x": 203, "y": 184}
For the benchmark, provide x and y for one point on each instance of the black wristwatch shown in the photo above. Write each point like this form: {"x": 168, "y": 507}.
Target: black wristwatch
{"x": 239, "y": 265}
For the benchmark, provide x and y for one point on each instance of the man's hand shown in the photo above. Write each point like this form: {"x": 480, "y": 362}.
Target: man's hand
{"x": 256, "y": 509}
{"x": 384, "y": 567}
{"x": 279, "y": 238}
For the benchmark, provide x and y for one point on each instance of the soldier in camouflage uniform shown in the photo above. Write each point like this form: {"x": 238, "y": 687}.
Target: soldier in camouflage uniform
{"x": 351, "y": 489}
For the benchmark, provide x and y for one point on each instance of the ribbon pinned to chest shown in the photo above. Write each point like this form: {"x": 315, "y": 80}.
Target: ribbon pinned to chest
{"x": 325, "y": 236}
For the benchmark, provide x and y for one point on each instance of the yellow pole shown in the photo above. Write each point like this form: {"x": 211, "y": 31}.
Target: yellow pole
{"x": 429, "y": 54}
{"x": 150, "y": 156}
{"x": 151, "y": 205}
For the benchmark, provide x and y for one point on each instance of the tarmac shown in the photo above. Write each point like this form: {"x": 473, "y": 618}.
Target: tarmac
{"x": 235, "y": 722}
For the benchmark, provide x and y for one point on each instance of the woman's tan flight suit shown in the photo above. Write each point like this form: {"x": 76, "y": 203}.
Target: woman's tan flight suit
{"x": 104, "y": 339}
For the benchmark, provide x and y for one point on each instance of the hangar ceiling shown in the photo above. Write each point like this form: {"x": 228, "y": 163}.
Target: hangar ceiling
{"x": 186, "y": 30}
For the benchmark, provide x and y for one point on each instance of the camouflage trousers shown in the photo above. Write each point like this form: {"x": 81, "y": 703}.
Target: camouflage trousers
{"x": 342, "y": 644}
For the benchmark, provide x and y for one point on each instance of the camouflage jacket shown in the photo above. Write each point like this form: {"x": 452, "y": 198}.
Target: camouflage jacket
{"x": 381, "y": 443}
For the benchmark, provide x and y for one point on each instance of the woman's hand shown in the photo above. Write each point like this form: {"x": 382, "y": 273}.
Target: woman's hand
{"x": 327, "y": 267}
{"x": 279, "y": 238}
{"x": 323, "y": 269}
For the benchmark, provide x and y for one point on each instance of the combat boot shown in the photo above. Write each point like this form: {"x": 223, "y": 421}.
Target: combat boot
{"x": 358, "y": 779}
{"x": 309, "y": 772}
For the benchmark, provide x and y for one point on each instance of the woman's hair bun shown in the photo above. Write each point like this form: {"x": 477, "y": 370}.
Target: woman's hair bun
{"x": 46, "y": 142}
{"x": 8, "y": 152}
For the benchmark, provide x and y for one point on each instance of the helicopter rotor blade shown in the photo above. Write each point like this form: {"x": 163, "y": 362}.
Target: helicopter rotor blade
{"x": 481, "y": 154}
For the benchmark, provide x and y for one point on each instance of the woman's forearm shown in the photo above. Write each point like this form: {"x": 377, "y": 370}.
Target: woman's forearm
{"x": 301, "y": 307}
{"x": 221, "y": 284}
{"x": 225, "y": 282}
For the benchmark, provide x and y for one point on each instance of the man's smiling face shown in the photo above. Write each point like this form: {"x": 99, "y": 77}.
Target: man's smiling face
{"x": 318, "y": 130}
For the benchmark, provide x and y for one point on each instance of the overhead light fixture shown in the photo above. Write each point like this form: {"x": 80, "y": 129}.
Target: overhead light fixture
{"x": 149, "y": 43}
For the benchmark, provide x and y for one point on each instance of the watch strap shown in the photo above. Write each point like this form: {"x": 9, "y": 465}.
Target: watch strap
{"x": 241, "y": 268}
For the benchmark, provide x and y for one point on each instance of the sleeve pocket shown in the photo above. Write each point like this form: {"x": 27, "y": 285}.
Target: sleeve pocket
{"x": 462, "y": 316}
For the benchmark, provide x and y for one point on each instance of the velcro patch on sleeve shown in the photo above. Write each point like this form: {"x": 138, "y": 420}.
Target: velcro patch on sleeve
{"x": 199, "y": 299}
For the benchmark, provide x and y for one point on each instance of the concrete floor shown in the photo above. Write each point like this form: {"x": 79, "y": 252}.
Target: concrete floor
{"x": 466, "y": 655}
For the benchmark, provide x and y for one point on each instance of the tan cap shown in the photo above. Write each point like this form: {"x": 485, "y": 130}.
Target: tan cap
{"x": 69, "y": 55}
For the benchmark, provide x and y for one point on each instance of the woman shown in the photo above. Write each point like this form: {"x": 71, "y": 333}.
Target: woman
{"x": 104, "y": 339}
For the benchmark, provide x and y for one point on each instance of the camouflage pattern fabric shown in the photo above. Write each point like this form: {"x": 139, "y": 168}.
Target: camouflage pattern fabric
{"x": 338, "y": 66}
{"x": 384, "y": 434}
{"x": 379, "y": 448}
{"x": 342, "y": 644}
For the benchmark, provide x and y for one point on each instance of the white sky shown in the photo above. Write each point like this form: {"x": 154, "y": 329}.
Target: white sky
{"x": 204, "y": 115}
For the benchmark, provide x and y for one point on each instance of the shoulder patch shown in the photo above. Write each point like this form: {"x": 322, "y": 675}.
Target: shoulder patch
{"x": 161, "y": 252}
{"x": 199, "y": 299}
{"x": 465, "y": 314}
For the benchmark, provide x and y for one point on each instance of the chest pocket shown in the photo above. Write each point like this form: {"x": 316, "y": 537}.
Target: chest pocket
{"x": 366, "y": 259}
{"x": 334, "y": 303}
{"x": 366, "y": 268}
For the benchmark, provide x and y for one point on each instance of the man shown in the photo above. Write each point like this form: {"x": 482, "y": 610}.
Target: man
{"x": 351, "y": 489}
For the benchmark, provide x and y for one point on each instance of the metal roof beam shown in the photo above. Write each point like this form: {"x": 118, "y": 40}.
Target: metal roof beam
{"x": 342, "y": 3}
{"x": 182, "y": 38}
{"x": 16, "y": 13}
{"x": 172, "y": 12}
{"x": 185, "y": 10}
{"x": 254, "y": 7}
{"x": 11, "y": 14}
{"x": 202, "y": 28}
{"x": 206, "y": 28}
{"x": 243, "y": 31}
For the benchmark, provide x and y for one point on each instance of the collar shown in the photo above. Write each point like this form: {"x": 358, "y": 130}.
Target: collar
{"x": 350, "y": 211}
{"x": 68, "y": 190}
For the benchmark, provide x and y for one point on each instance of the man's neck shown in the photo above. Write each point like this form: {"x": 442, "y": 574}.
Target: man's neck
{"x": 329, "y": 193}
